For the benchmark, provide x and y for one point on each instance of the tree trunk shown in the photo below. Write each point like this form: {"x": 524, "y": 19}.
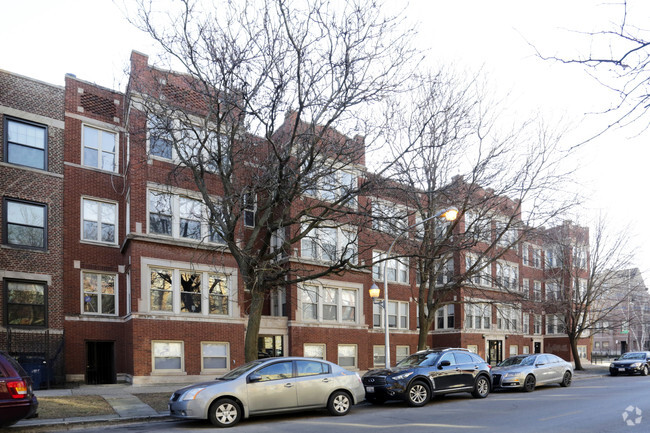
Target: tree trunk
{"x": 253, "y": 328}
{"x": 573, "y": 342}
{"x": 425, "y": 325}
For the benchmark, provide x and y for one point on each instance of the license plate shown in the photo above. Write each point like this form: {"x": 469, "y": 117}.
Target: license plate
{"x": 621, "y": 369}
{"x": 370, "y": 389}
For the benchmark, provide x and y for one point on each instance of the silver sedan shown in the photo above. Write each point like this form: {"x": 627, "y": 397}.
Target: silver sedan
{"x": 269, "y": 385}
{"x": 527, "y": 371}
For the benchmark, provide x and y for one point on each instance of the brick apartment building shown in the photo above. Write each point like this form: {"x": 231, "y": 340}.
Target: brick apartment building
{"x": 31, "y": 250}
{"x": 146, "y": 293}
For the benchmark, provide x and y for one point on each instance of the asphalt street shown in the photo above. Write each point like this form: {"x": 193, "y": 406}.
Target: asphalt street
{"x": 599, "y": 404}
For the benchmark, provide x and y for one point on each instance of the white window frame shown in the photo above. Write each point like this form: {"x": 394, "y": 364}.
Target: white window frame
{"x": 508, "y": 236}
{"x": 508, "y": 318}
{"x": 397, "y": 266}
{"x": 475, "y": 309}
{"x": 115, "y": 293}
{"x": 537, "y": 324}
{"x": 402, "y": 352}
{"x": 317, "y": 347}
{"x": 445, "y": 271}
{"x": 115, "y": 154}
{"x": 378, "y": 356}
{"x": 356, "y": 356}
{"x": 312, "y": 246}
{"x": 537, "y": 258}
{"x": 99, "y": 203}
{"x": 537, "y": 291}
{"x": 224, "y": 344}
{"x": 507, "y": 275}
{"x": 167, "y": 370}
{"x": 316, "y": 292}
{"x": 552, "y": 291}
{"x": 525, "y": 255}
{"x": 444, "y": 314}
{"x": 525, "y": 323}
{"x": 484, "y": 276}
{"x": 395, "y": 216}
{"x": 481, "y": 228}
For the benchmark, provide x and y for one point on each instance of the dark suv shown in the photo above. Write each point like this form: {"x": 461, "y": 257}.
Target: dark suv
{"x": 17, "y": 401}
{"x": 424, "y": 374}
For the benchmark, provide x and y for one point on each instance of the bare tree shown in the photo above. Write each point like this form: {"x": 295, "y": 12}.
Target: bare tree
{"x": 251, "y": 123}
{"x": 584, "y": 285}
{"x": 452, "y": 150}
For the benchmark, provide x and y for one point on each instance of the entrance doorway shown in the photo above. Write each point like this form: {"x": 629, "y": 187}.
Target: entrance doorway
{"x": 495, "y": 352}
{"x": 269, "y": 346}
{"x": 100, "y": 362}
{"x": 538, "y": 347}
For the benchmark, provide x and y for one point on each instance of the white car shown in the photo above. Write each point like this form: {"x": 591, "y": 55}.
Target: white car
{"x": 269, "y": 385}
{"x": 527, "y": 371}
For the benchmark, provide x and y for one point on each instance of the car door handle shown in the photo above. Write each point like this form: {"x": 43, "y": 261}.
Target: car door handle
{"x": 326, "y": 380}
{"x": 288, "y": 385}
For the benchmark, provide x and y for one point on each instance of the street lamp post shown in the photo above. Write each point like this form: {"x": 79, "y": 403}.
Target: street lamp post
{"x": 449, "y": 214}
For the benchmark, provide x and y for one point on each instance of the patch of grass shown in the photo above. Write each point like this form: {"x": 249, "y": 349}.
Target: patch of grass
{"x": 157, "y": 400}
{"x": 73, "y": 406}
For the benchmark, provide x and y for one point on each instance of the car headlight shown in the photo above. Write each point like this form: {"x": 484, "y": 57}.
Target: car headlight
{"x": 402, "y": 376}
{"x": 192, "y": 393}
{"x": 611, "y": 365}
{"x": 510, "y": 375}
{"x": 636, "y": 365}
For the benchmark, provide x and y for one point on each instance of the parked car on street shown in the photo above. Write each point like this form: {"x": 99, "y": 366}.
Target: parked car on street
{"x": 631, "y": 363}
{"x": 17, "y": 400}
{"x": 270, "y": 385}
{"x": 417, "y": 378}
{"x": 525, "y": 372}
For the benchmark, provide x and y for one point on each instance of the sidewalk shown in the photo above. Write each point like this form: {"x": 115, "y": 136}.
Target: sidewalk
{"x": 121, "y": 397}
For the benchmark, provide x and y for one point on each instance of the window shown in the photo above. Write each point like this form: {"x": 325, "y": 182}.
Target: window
{"x": 161, "y": 290}
{"x": 537, "y": 258}
{"x": 525, "y": 287}
{"x": 25, "y": 143}
{"x": 25, "y": 303}
{"x": 445, "y": 271}
{"x": 160, "y": 213}
{"x": 333, "y": 186}
{"x": 277, "y": 371}
{"x": 398, "y": 315}
{"x": 525, "y": 323}
{"x": 190, "y": 292}
{"x": 553, "y": 291}
{"x": 218, "y": 294}
{"x": 378, "y": 356}
{"x": 99, "y": 221}
{"x": 214, "y": 356}
{"x": 478, "y": 228}
{"x": 525, "y": 350}
{"x": 401, "y": 352}
{"x": 160, "y": 137}
{"x": 314, "y": 351}
{"x": 99, "y": 293}
{"x": 478, "y": 316}
{"x": 190, "y": 218}
{"x": 508, "y": 318}
{"x": 329, "y": 244}
{"x": 327, "y": 303}
{"x": 445, "y": 317}
{"x": 550, "y": 258}
{"x": 99, "y": 148}
{"x": 525, "y": 255}
{"x": 580, "y": 254}
{"x": 25, "y": 224}
{"x": 479, "y": 270}
{"x": 347, "y": 357}
{"x": 397, "y": 270}
{"x": 554, "y": 325}
{"x": 514, "y": 350}
{"x": 167, "y": 356}
{"x": 537, "y": 325}
{"x": 507, "y": 275}
{"x": 537, "y": 291}
{"x": 311, "y": 368}
{"x": 506, "y": 233}
{"x": 250, "y": 208}
{"x": 388, "y": 217}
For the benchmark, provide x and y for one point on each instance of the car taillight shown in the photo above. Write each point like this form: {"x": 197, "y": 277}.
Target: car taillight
{"x": 17, "y": 388}
{"x": 489, "y": 367}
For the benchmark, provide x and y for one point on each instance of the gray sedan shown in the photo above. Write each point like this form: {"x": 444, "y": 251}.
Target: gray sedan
{"x": 527, "y": 371}
{"x": 269, "y": 385}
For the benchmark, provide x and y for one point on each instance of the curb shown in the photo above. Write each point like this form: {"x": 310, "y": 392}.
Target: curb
{"x": 33, "y": 425}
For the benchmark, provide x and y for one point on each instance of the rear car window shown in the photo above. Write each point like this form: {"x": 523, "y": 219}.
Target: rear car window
{"x": 15, "y": 365}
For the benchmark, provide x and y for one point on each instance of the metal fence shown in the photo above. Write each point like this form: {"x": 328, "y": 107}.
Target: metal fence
{"x": 40, "y": 352}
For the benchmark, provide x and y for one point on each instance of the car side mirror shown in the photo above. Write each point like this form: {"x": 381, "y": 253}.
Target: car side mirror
{"x": 445, "y": 363}
{"x": 254, "y": 378}
{"x": 539, "y": 364}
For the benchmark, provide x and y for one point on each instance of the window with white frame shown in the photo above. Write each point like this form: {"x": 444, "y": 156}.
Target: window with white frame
{"x": 478, "y": 315}
{"x": 445, "y": 271}
{"x": 554, "y": 324}
{"x": 440, "y": 227}
{"x": 378, "y": 356}
{"x": 525, "y": 255}
{"x": 160, "y": 136}
{"x": 514, "y": 350}
{"x": 580, "y": 290}
{"x": 398, "y": 315}
{"x": 314, "y": 351}
{"x": 328, "y": 303}
{"x": 580, "y": 254}
{"x": 525, "y": 287}
{"x": 397, "y": 270}
{"x": 508, "y": 318}
{"x": 279, "y": 302}
{"x": 189, "y": 291}
{"x": 167, "y": 356}
{"x": 347, "y": 355}
{"x": 525, "y": 350}
{"x": 537, "y": 324}
{"x": 215, "y": 356}
{"x": 329, "y": 244}
{"x": 160, "y": 213}
{"x": 190, "y": 211}
{"x": 537, "y": 291}
{"x": 553, "y": 291}
{"x": 99, "y": 148}
{"x": 537, "y": 258}
{"x": 334, "y": 185}
{"x": 506, "y": 233}
{"x": 478, "y": 227}
{"x": 525, "y": 323}
{"x": 99, "y": 221}
{"x": 479, "y": 269}
{"x": 550, "y": 258}
{"x": 402, "y": 352}
{"x": 25, "y": 143}
{"x": 388, "y": 217}
{"x": 445, "y": 317}
{"x": 507, "y": 275}
{"x": 250, "y": 209}
{"x": 99, "y": 293}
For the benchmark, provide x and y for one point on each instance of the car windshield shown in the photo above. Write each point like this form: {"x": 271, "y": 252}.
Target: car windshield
{"x": 422, "y": 359}
{"x": 632, "y": 355}
{"x": 517, "y": 360}
{"x": 242, "y": 369}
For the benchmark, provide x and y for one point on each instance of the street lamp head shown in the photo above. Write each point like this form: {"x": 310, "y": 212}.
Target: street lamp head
{"x": 450, "y": 214}
{"x": 373, "y": 291}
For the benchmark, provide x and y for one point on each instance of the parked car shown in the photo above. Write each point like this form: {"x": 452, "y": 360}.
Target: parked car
{"x": 17, "y": 400}
{"x": 417, "y": 378}
{"x": 270, "y": 385}
{"x": 525, "y": 372}
{"x": 631, "y": 363}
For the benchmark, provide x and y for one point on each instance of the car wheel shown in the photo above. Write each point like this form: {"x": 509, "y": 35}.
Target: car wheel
{"x": 375, "y": 400}
{"x": 482, "y": 387}
{"x": 224, "y": 413}
{"x": 566, "y": 379}
{"x": 418, "y": 394}
{"x": 644, "y": 370}
{"x": 339, "y": 403}
{"x": 529, "y": 383}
